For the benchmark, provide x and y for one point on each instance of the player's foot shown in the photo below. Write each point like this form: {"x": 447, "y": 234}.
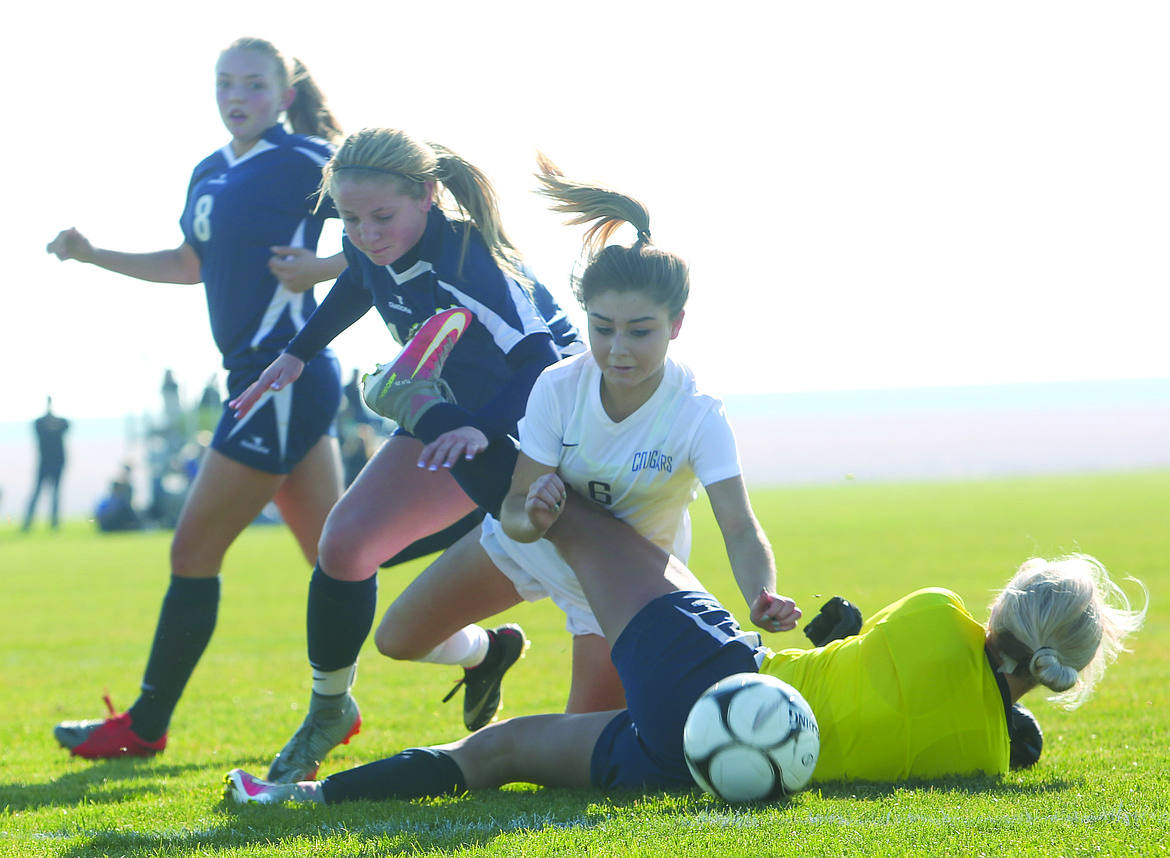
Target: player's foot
{"x": 481, "y": 684}
{"x": 330, "y": 722}
{"x": 248, "y": 789}
{"x": 106, "y": 738}
{"x": 406, "y": 389}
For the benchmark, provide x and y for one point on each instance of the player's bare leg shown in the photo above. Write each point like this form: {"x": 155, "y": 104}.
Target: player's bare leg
{"x": 595, "y": 684}
{"x": 549, "y": 750}
{"x": 224, "y": 499}
{"x": 391, "y": 504}
{"x": 462, "y": 586}
{"x": 309, "y": 493}
{"x": 602, "y": 551}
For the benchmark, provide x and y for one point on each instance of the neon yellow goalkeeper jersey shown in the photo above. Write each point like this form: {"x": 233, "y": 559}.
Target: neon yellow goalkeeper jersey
{"x": 911, "y": 696}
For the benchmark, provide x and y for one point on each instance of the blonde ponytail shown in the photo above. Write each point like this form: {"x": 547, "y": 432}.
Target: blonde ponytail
{"x": 412, "y": 163}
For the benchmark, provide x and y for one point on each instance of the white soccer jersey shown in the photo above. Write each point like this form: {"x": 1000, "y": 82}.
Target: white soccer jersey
{"x": 646, "y": 469}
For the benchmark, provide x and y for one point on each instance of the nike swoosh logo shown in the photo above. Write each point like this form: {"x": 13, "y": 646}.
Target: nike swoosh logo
{"x": 563, "y": 444}
{"x": 455, "y": 323}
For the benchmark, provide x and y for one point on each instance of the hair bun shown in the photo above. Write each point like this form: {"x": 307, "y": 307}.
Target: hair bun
{"x": 1050, "y": 671}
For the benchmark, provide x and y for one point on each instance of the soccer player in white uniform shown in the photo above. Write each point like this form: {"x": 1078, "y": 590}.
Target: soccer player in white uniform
{"x": 250, "y": 231}
{"x": 623, "y": 425}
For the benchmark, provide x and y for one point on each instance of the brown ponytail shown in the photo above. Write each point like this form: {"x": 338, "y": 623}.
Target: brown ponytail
{"x": 640, "y": 267}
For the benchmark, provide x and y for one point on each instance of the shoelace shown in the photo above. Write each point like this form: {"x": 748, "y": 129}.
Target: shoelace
{"x": 467, "y": 671}
{"x": 458, "y": 685}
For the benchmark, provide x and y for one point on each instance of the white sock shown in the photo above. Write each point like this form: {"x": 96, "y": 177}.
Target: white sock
{"x": 334, "y": 682}
{"x": 466, "y": 648}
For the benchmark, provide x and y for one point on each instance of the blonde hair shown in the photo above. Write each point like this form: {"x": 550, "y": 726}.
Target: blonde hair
{"x": 1062, "y": 622}
{"x": 309, "y": 112}
{"x": 411, "y": 163}
{"x": 640, "y": 267}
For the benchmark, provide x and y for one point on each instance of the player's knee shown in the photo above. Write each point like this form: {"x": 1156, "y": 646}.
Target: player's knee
{"x": 193, "y": 558}
{"x": 394, "y": 645}
{"x": 494, "y": 751}
{"x": 344, "y": 554}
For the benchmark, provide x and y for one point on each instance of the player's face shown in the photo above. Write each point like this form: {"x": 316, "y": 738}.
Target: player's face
{"x": 382, "y": 222}
{"x": 629, "y": 334}
{"x": 249, "y": 96}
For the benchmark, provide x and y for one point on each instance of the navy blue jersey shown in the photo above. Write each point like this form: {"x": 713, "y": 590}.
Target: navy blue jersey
{"x": 432, "y": 277}
{"x": 237, "y": 209}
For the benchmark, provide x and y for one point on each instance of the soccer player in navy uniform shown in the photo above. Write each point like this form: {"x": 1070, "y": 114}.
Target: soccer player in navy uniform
{"x": 250, "y": 230}
{"x": 495, "y": 326}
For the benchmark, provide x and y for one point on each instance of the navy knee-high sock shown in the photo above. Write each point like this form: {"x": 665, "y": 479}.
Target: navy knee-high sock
{"x": 339, "y": 619}
{"x": 414, "y": 773}
{"x": 185, "y": 625}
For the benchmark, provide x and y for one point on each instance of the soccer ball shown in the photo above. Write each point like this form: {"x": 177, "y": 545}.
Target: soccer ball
{"x": 751, "y": 737}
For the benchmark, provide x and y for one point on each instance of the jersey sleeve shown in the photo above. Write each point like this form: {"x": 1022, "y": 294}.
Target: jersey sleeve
{"x": 501, "y": 304}
{"x": 315, "y": 153}
{"x": 346, "y": 302}
{"x": 189, "y": 237}
{"x": 526, "y": 361}
{"x": 542, "y": 429}
{"x": 714, "y": 453}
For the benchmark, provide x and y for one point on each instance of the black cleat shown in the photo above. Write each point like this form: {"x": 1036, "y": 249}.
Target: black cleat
{"x": 481, "y": 684}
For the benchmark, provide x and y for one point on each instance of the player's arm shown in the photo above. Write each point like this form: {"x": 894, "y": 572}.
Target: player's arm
{"x": 180, "y": 265}
{"x": 534, "y": 501}
{"x": 346, "y": 302}
{"x": 750, "y": 555}
{"x": 299, "y": 269}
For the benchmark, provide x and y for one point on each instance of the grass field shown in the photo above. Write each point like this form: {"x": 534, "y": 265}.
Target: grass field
{"x": 80, "y": 608}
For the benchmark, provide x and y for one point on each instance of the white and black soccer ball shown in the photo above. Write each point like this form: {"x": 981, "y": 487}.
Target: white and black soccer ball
{"x": 751, "y": 737}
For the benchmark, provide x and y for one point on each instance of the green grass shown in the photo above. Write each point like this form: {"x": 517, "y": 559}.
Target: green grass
{"x": 80, "y": 608}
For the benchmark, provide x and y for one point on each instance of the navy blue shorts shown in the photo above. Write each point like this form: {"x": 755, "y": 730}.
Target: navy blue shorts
{"x": 281, "y": 429}
{"x": 672, "y": 651}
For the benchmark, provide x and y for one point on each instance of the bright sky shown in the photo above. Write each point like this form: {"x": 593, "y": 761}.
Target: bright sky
{"x": 888, "y": 194}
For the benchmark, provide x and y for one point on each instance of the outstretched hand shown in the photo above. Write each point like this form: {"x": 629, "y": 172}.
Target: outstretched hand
{"x": 70, "y": 244}
{"x": 280, "y": 373}
{"x": 466, "y": 442}
{"x": 774, "y": 613}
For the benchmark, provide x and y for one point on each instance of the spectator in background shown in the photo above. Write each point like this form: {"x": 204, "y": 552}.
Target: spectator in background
{"x": 172, "y": 410}
{"x": 211, "y": 398}
{"x": 210, "y": 405}
{"x": 50, "y": 431}
{"x": 116, "y": 510}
